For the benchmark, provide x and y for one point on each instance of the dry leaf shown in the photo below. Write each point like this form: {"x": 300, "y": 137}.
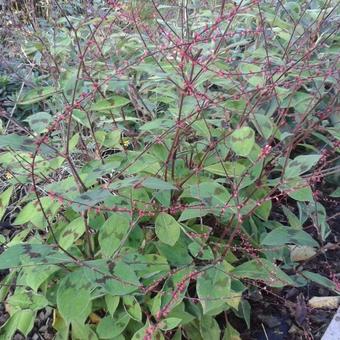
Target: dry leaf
{"x": 301, "y": 253}
{"x": 331, "y": 302}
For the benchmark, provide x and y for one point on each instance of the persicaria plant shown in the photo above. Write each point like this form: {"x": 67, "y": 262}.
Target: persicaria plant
{"x": 161, "y": 162}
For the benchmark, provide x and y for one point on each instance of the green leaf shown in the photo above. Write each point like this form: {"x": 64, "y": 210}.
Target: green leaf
{"x": 112, "y": 303}
{"x": 232, "y": 169}
{"x": 213, "y": 287}
{"x": 32, "y": 213}
{"x": 17, "y": 142}
{"x": 27, "y": 300}
{"x": 302, "y": 195}
{"x": 140, "y": 334}
{"x": 4, "y": 200}
{"x": 177, "y": 254}
{"x": 248, "y": 70}
{"x": 167, "y": 229}
{"x": 39, "y": 121}
{"x": 71, "y": 233}
{"x": 242, "y": 140}
{"x": 320, "y": 280}
{"x": 36, "y": 95}
{"x": 81, "y": 331}
{"x": 230, "y": 333}
{"x": 90, "y": 198}
{"x": 113, "y": 232}
{"x": 292, "y": 219}
{"x": 157, "y": 183}
{"x": 209, "y": 328}
{"x": 169, "y": 323}
{"x": 194, "y": 212}
{"x": 244, "y": 310}
{"x": 286, "y": 235}
{"x": 109, "y": 104}
{"x": 300, "y": 165}
{"x": 119, "y": 279}
{"x": 263, "y": 124}
{"x": 132, "y": 307}
{"x": 201, "y": 128}
{"x": 110, "y": 327}
{"x": 74, "y": 297}
{"x": 261, "y": 269}
{"x": 298, "y": 189}
{"x": 28, "y": 254}
{"x": 22, "y": 321}
{"x": 34, "y": 277}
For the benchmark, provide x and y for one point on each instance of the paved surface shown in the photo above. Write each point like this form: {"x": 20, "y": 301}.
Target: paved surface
{"x": 333, "y": 330}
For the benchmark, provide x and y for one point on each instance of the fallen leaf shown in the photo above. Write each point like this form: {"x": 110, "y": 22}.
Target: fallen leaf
{"x": 301, "y": 253}
{"x": 331, "y": 302}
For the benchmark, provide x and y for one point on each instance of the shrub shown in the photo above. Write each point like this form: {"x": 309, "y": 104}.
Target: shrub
{"x": 171, "y": 156}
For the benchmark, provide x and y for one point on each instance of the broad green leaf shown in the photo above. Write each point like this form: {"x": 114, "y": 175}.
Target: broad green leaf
{"x": 81, "y": 332}
{"x": 263, "y": 124}
{"x": 261, "y": 269}
{"x": 110, "y": 103}
{"x": 39, "y": 121}
{"x": 35, "y": 276}
{"x": 69, "y": 83}
{"x": 167, "y": 229}
{"x": 71, "y": 233}
{"x": 27, "y": 300}
{"x": 113, "y": 232}
{"x": 231, "y": 169}
{"x": 252, "y": 73}
{"x": 230, "y": 333}
{"x": 90, "y": 199}
{"x": 292, "y": 219}
{"x": 242, "y": 140}
{"x": 4, "y": 200}
{"x": 32, "y": 213}
{"x": 28, "y": 254}
{"x": 209, "y": 328}
{"x": 194, "y": 212}
{"x": 81, "y": 117}
{"x": 110, "y": 327}
{"x": 245, "y": 311}
{"x": 177, "y": 254}
{"x": 112, "y": 303}
{"x": 140, "y": 334}
{"x": 119, "y": 279}
{"x": 36, "y": 95}
{"x": 298, "y": 189}
{"x": 22, "y": 320}
{"x": 300, "y": 165}
{"x": 17, "y": 142}
{"x": 213, "y": 287}
{"x": 169, "y": 323}
{"x": 286, "y": 235}
{"x": 157, "y": 183}
{"x": 321, "y": 280}
{"x": 302, "y": 195}
{"x": 132, "y": 307}
{"x": 200, "y": 126}
{"x": 209, "y": 193}
{"x": 74, "y": 297}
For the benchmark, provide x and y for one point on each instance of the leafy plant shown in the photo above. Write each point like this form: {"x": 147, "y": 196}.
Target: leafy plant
{"x": 162, "y": 140}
